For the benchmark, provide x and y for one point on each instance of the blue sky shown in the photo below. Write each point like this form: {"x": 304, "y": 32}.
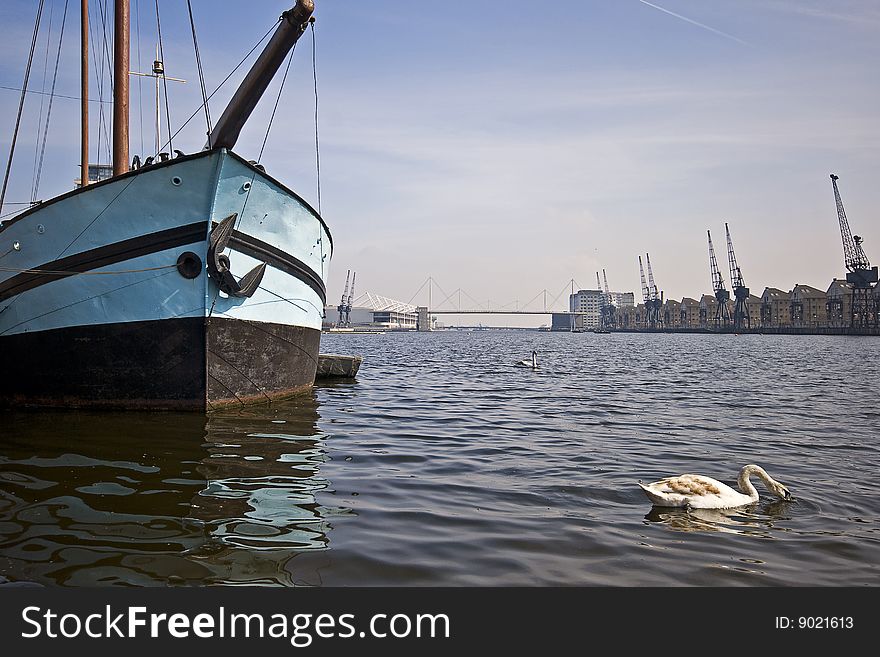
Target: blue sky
{"x": 513, "y": 146}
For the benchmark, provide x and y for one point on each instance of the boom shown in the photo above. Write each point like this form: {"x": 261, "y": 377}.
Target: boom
{"x": 722, "y": 296}
{"x": 741, "y": 316}
{"x": 646, "y": 291}
{"x": 853, "y": 253}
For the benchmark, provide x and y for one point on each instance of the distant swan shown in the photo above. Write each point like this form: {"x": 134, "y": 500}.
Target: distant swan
{"x": 698, "y": 492}
{"x": 530, "y": 363}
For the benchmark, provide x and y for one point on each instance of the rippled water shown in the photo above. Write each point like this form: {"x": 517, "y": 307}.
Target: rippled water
{"x": 444, "y": 464}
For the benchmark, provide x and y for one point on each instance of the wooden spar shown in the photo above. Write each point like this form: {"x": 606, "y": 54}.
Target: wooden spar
{"x": 251, "y": 89}
{"x": 84, "y": 94}
{"x": 121, "y": 68}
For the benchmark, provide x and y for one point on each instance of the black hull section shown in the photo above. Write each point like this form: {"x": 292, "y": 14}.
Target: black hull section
{"x": 255, "y": 362}
{"x": 174, "y": 364}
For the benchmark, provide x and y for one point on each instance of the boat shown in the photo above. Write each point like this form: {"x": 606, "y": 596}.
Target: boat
{"x": 192, "y": 282}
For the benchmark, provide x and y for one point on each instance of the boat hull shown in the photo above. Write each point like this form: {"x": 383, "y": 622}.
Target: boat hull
{"x": 257, "y": 362}
{"x": 189, "y": 363}
{"x": 106, "y": 299}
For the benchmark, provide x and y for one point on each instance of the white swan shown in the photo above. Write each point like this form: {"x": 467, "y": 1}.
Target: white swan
{"x": 530, "y": 363}
{"x": 698, "y": 492}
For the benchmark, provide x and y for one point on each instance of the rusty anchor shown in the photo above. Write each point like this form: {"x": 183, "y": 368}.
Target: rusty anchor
{"x": 218, "y": 263}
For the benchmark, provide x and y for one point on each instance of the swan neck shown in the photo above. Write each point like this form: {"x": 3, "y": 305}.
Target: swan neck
{"x": 745, "y": 484}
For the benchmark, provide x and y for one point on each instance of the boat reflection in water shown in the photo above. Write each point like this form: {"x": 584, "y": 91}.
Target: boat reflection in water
{"x": 157, "y": 499}
{"x": 753, "y": 520}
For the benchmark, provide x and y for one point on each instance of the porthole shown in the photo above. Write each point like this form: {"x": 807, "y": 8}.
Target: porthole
{"x": 189, "y": 264}
{"x": 176, "y": 181}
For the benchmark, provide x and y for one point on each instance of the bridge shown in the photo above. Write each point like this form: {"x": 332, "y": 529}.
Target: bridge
{"x": 542, "y": 303}
{"x": 460, "y": 302}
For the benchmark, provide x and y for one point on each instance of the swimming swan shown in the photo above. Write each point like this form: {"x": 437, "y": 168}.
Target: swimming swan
{"x": 698, "y": 492}
{"x": 530, "y": 363}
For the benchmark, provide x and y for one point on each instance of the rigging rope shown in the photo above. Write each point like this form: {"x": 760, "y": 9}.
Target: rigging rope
{"x": 49, "y": 110}
{"x": 103, "y": 121}
{"x": 315, "y": 77}
{"x": 27, "y": 74}
{"x": 192, "y": 24}
{"x": 277, "y": 100}
{"x": 46, "y": 93}
{"x": 42, "y": 99}
{"x": 99, "y": 80}
{"x": 225, "y": 80}
{"x": 16, "y": 270}
{"x": 107, "y": 57}
{"x": 9, "y": 214}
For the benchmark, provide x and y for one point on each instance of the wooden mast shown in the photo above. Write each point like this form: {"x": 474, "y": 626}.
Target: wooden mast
{"x": 84, "y": 94}
{"x": 121, "y": 68}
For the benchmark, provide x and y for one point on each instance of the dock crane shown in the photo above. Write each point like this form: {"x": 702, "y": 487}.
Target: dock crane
{"x": 655, "y": 318}
{"x": 603, "y": 301}
{"x": 341, "y": 307}
{"x": 650, "y": 319}
{"x": 610, "y": 309}
{"x": 722, "y": 296}
{"x": 348, "y": 301}
{"x": 741, "y": 317}
{"x": 860, "y": 274}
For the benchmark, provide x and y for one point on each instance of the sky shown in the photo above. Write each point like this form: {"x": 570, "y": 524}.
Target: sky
{"x": 506, "y": 148}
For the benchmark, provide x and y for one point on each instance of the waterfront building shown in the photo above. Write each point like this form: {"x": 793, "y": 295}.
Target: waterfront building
{"x": 358, "y": 316}
{"x": 424, "y": 322}
{"x": 754, "y": 310}
{"x": 376, "y": 312}
{"x": 689, "y": 313}
{"x": 802, "y": 308}
{"x": 640, "y": 317}
{"x": 588, "y": 303}
{"x": 395, "y": 319}
{"x": 626, "y": 317}
{"x": 838, "y": 304}
{"x": 631, "y": 317}
{"x": 808, "y": 307}
{"x": 671, "y": 314}
{"x": 708, "y": 304}
{"x": 775, "y": 308}
{"x": 623, "y": 299}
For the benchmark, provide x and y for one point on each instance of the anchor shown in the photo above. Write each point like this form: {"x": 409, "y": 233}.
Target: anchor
{"x": 218, "y": 263}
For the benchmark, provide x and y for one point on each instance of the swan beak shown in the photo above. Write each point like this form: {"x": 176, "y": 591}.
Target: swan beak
{"x": 788, "y": 497}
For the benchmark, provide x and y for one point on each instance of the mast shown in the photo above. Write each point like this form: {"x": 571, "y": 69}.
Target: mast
{"x": 158, "y": 71}
{"x": 84, "y": 94}
{"x": 293, "y": 24}
{"x": 121, "y": 68}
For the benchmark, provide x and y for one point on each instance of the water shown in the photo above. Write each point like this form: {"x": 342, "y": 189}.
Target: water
{"x": 443, "y": 464}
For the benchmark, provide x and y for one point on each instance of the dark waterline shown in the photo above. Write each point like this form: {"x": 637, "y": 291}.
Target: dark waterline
{"x": 444, "y": 464}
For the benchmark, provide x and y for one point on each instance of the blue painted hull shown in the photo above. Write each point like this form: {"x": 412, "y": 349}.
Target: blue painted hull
{"x": 122, "y": 264}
